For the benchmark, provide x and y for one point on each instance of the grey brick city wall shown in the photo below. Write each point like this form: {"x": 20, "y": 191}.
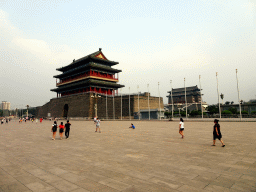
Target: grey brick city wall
{"x": 82, "y": 105}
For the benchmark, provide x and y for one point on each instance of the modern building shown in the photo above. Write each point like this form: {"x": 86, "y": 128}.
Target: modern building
{"x": 6, "y": 105}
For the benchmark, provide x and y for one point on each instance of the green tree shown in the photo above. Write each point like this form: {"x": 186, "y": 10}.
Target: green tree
{"x": 213, "y": 109}
{"x": 244, "y": 112}
{"x": 233, "y": 110}
{"x": 226, "y": 112}
{"x": 253, "y": 112}
{"x": 195, "y": 112}
{"x": 167, "y": 114}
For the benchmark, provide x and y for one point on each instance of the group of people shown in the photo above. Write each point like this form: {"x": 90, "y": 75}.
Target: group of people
{"x": 5, "y": 120}
{"x": 216, "y": 131}
{"x": 62, "y": 128}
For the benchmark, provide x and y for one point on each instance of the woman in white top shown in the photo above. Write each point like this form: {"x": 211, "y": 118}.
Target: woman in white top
{"x": 97, "y": 122}
{"x": 181, "y": 128}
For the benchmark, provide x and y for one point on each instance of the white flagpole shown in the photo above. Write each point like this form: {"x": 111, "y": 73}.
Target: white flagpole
{"x": 201, "y": 97}
{"x": 186, "y": 99}
{"x": 171, "y": 98}
{"x": 138, "y": 102}
{"x": 238, "y": 96}
{"x": 148, "y": 105}
{"x": 159, "y": 102}
{"x": 218, "y": 93}
{"x": 121, "y": 105}
{"x": 129, "y": 105}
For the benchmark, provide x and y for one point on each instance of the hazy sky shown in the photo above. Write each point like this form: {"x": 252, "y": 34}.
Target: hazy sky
{"x": 153, "y": 41}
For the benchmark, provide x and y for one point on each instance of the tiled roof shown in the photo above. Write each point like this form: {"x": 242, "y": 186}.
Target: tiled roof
{"x": 87, "y": 82}
{"x": 188, "y": 89}
{"x": 90, "y": 56}
{"x": 90, "y": 64}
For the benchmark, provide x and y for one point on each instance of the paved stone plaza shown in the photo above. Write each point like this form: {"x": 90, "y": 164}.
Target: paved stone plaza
{"x": 151, "y": 157}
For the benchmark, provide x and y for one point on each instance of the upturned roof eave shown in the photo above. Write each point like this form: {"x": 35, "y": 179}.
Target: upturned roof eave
{"x": 90, "y": 56}
{"x": 90, "y": 65}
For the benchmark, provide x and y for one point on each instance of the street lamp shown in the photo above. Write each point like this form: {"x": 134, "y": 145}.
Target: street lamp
{"x": 96, "y": 96}
{"x": 27, "y": 110}
{"x": 171, "y": 98}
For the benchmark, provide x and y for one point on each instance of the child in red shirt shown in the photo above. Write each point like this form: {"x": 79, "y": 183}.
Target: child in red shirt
{"x": 61, "y": 126}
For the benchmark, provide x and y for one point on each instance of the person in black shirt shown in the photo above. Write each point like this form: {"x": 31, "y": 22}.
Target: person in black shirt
{"x": 67, "y": 129}
{"x": 217, "y": 133}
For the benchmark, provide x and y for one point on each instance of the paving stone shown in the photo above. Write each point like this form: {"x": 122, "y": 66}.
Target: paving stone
{"x": 72, "y": 177}
{"x": 6, "y": 179}
{"x": 115, "y": 184}
{"x": 64, "y": 186}
{"x": 91, "y": 185}
{"x": 150, "y": 158}
{"x": 39, "y": 186}
{"x": 14, "y": 187}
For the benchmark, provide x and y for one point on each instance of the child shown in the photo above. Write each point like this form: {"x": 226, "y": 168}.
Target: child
{"x": 97, "y": 122}
{"x": 132, "y": 126}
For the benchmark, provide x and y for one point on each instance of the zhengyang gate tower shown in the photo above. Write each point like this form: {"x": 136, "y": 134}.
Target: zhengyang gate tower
{"x": 83, "y": 83}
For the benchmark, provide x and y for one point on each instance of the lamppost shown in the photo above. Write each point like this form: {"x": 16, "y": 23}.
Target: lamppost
{"x": 27, "y": 110}
{"x": 222, "y": 97}
{"x": 201, "y": 97}
{"x": 96, "y": 96}
{"x": 171, "y": 98}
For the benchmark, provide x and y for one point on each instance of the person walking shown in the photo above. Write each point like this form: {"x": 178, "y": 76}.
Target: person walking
{"x": 181, "y": 128}
{"x": 217, "y": 133}
{"x": 97, "y": 122}
{"x": 67, "y": 129}
{"x": 54, "y": 130}
{"x": 61, "y": 126}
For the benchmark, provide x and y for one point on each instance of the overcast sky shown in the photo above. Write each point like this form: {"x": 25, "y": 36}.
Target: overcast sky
{"x": 153, "y": 41}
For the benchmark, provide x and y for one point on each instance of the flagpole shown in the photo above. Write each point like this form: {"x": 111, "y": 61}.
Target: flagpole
{"x": 218, "y": 93}
{"x": 201, "y": 97}
{"x": 238, "y": 96}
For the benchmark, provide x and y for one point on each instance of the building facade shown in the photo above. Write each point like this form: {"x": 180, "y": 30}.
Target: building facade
{"x": 88, "y": 87}
{"x": 193, "y": 98}
{"x": 93, "y": 72}
{"x": 6, "y": 105}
